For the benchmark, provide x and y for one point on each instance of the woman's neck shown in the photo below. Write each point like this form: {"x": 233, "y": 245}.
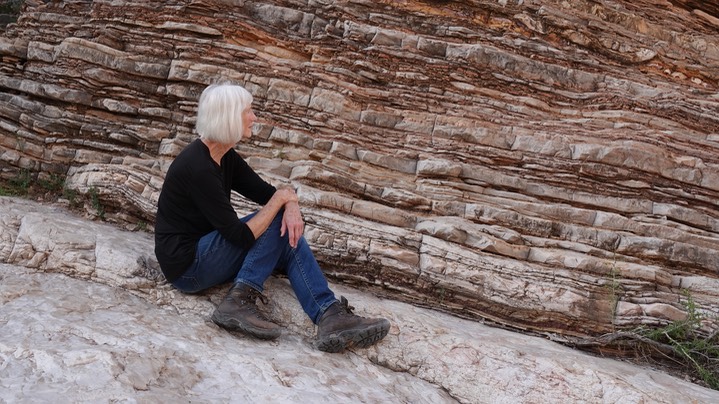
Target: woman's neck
{"x": 217, "y": 150}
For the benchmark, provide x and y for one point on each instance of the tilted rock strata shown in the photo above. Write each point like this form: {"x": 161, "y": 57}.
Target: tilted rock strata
{"x": 81, "y": 284}
{"x": 549, "y": 166}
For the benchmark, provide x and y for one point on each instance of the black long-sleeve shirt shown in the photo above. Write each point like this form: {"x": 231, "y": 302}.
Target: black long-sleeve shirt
{"x": 195, "y": 200}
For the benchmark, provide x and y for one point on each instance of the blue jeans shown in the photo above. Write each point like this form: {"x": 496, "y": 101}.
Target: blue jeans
{"x": 218, "y": 261}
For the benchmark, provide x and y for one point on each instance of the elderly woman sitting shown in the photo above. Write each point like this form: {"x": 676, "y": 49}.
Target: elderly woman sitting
{"x": 200, "y": 242}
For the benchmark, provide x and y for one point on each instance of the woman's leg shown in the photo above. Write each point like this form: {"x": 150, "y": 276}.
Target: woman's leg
{"x": 238, "y": 311}
{"x": 307, "y": 280}
{"x": 272, "y": 251}
{"x": 216, "y": 261}
{"x": 262, "y": 257}
{"x": 338, "y": 327}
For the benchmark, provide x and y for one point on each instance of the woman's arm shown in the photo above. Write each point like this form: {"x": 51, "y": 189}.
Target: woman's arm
{"x": 261, "y": 221}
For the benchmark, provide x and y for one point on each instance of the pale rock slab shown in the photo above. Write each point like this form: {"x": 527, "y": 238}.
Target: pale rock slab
{"x": 109, "y": 328}
{"x": 67, "y": 340}
{"x": 495, "y": 159}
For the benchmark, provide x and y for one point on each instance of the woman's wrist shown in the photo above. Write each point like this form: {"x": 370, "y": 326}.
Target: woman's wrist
{"x": 291, "y": 195}
{"x": 286, "y": 195}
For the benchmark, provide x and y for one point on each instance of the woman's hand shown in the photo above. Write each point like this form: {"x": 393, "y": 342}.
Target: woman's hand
{"x": 285, "y": 195}
{"x": 292, "y": 223}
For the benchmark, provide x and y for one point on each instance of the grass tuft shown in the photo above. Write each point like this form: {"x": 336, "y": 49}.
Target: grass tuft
{"x": 689, "y": 342}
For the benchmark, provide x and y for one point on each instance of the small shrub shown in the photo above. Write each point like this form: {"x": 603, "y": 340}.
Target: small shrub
{"x": 96, "y": 204}
{"x": 692, "y": 347}
{"x": 10, "y": 6}
{"x": 9, "y": 11}
{"x": 55, "y": 183}
{"x": 18, "y": 185}
{"x": 4, "y": 191}
{"x": 70, "y": 195}
{"x": 141, "y": 226}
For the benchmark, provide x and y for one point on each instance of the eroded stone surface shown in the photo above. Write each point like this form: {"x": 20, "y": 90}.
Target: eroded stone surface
{"x": 82, "y": 341}
{"x": 109, "y": 328}
{"x": 497, "y": 159}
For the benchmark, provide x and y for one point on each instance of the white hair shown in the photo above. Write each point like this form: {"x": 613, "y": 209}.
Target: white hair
{"x": 219, "y": 113}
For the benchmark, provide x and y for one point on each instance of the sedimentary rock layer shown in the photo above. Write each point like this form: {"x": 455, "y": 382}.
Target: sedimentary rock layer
{"x": 88, "y": 317}
{"x": 548, "y": 166}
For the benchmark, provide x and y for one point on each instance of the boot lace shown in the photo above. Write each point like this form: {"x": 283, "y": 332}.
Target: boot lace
{"x": 252, "y": 296}
{"x": 345, "y": 306}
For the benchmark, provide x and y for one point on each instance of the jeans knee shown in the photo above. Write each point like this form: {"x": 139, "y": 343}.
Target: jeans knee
{"x": 302, "y": 244}
{"x": 279, "y": 216}
{"x": 276, "y": 221}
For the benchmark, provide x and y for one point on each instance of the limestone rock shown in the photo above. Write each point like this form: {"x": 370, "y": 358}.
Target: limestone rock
{"x": 116, "y": 346}
{"x": 540, "y": 164}
{"x": 105, "y": 327}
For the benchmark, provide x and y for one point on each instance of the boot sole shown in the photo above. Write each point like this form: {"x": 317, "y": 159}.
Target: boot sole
{"x": 354, "y": 338}
{"x": 233, "y": 324}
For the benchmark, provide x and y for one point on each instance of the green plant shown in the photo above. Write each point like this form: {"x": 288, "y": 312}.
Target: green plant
{"x": 9, "y": 12}
{"x": 441, "y": 292}
{"x": 96, "y": 204}
{"x": 615, "y": 288}
{"x": 281, "y": 154}
{"x": 4, "y": 191}
{"x": 53, "y": 184}
{"x": 70, "y": 195}
{"x": 141, "y": 226}
{"x": 11, "y": 7}
{"x": 689, "y": 344}
{"x": 38, "y": 186}
{"x": 18, "y": 185}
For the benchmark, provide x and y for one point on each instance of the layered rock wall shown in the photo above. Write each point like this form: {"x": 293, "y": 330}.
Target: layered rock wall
{"x": 73, "y": 326}
{"x": 548, "y": 165}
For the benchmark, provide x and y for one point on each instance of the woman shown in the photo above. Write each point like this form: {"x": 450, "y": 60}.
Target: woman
{"x": 200, "y": 242}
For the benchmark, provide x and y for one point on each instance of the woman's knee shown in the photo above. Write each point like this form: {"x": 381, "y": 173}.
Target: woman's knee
{"x": 275, "y": 225}
{"x": 278, "y": 217}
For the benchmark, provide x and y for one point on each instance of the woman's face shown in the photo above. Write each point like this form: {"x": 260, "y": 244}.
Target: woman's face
{"x": 248, "y": 118}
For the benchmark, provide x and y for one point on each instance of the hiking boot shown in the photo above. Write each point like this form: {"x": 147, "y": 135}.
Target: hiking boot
{"x": 238, "y": 312}
{"x": 339, "y": 329}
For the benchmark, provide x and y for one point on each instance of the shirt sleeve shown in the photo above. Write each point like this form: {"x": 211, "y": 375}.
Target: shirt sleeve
{"x": 248, "y": 183}
{"x": 209, "y": 196}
